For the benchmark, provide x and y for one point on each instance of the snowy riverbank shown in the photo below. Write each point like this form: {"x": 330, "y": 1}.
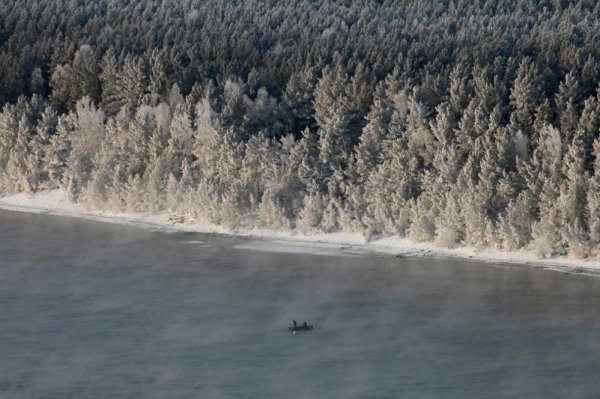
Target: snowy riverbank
{"x": 56, "y": 203}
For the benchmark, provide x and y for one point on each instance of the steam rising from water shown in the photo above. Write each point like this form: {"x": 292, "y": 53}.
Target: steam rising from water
{"x": 89, "y": 310}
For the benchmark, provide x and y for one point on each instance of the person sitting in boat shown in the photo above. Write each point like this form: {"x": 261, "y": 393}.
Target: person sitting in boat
{"x": 304, "y": 324}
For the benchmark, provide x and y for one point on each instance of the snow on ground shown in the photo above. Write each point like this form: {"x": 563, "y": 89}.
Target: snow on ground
{"x": 56, "y": 202}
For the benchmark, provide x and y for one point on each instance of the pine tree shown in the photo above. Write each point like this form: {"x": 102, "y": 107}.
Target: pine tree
{"x": 135, "y": 198}
{"x": 422, "y": 227}
{"x": 525, "y": 96}
{"x": 86, "y": 141}
{"x": 180, "y": 143}
{"x": 272, "y": 213}
{"x": 172, "y": 192}
{"x": 449, "y": 224}
{"x": 333, "y": 145}
{"x": 516, "y": 222}
{"x": 572, "y": 202}
{"x": 258, "y": 168}
{"x": 232, "y": 109}
{"x": 9, "y": 125}
{"x": 132, "y": 81}
{"x": 80, "y": 79}
{"x": 110, "y": 78}
{"x": 87, "y": 72}
{"x": 17, "y": 166}
{"x": 593, "y": 210}
{"x": 158, "y": 76}
{"x": 64, "y": 87}
{"x": 299, "y": 98}
{"x": 155, "y": 184}
{"x": 311, "y": 214}
{"x": 136, "y": 151}
{"x": 420, "y": 139}
{"x": 336, "y": 119}
{"x": 566, "y": 100}
{"x": 459, "y": 91}
{"x": 369, "y": 151}
{"x": 97, "y": 191}
{"x": 39, "y": 144}
{"x": 58, "y": 151}
{"x": 37, "y": 83}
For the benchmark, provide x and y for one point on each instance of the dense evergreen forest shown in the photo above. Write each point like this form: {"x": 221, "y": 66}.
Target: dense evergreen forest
{"x": 464, "y": 122}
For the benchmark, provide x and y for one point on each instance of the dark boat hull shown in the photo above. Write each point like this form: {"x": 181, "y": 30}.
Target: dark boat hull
{"x": 300, "y": 328}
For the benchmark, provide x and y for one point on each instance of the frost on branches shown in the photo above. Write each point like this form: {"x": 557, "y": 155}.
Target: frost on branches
{"x": 308, "y": 118}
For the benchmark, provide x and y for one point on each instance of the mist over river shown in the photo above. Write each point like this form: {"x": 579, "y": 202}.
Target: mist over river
{"x": 94, "y": 310}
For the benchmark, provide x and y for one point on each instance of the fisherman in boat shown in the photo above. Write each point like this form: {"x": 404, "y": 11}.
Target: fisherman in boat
{"x": 299, "y": 327}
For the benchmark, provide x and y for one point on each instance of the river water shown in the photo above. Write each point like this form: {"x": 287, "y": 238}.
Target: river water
{"x": 93, "y": 310}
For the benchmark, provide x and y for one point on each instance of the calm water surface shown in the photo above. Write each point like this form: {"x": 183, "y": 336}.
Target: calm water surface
{"x": 92, "y": 310}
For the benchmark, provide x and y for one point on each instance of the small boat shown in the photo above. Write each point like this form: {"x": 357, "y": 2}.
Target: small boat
{"x": 300, "y": 327}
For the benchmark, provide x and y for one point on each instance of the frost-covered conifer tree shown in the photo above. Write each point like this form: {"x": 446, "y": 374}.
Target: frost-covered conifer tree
{"x": 9, "y": 125}
{"x": 525, "y": 95}
{"x": 87, "y": 135}
{"x": 17, "y": 165}
{"x": 180, "y": 143}
{"x": 132, "y": 80}
{"x": 110, "y": 78}
{"x": 367, "y": 125}
{"x": 40, "y": 144}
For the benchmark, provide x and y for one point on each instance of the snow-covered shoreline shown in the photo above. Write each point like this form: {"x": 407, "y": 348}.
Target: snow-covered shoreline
{"x": 56, "y": 203}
